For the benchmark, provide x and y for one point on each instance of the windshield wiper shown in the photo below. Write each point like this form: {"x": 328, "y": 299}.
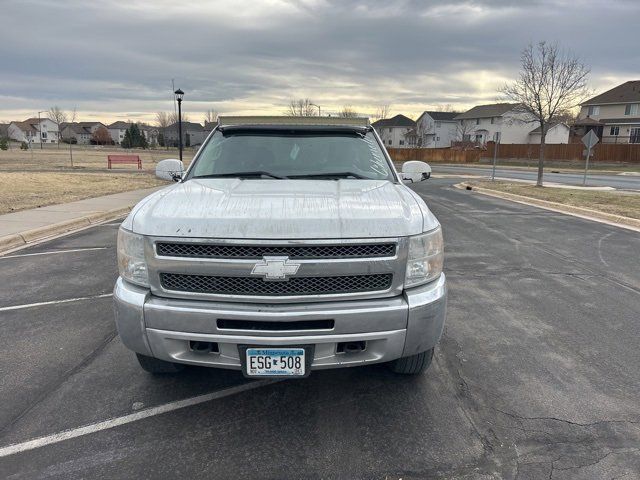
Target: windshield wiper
{"x": 257, "y": 173}
{"x": 330, "y": 175}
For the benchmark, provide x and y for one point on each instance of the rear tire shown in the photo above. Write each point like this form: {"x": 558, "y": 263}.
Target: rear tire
{"x": 413, "y": 365}
{"x": 157, "y": 366}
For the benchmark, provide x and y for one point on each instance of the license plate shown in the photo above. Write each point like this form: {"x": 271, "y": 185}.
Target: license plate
{"x": 275, "y": 362}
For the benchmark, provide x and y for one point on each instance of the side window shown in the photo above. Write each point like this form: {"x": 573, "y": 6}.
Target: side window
{"x": 594, "y": 110}
{"x": 631, "y": 109}
{"x": 438, "y": 124}
{"x": 477, "y": 121}
{"x": 493, "y": 120}
{"x": 614, "y": 131}
{"x": 401, "y": 142}
{"x": 390, "y": 142}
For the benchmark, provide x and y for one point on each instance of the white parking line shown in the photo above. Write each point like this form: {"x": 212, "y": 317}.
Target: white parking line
{"x": 54, "y": 302}
{"x": 132, "y": 417}
{"x": 53, "y": 251}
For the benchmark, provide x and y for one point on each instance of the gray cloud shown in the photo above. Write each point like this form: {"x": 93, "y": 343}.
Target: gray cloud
{"x": 115, "y": 58}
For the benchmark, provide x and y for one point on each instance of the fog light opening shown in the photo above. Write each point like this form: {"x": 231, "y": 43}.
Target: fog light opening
{"x": 351, "y": 347}
{"x": 203, "y": 347}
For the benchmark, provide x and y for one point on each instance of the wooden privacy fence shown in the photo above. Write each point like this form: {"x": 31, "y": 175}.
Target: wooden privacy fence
{"x": 445, "y": 155}
{"x": 602, "y": 152}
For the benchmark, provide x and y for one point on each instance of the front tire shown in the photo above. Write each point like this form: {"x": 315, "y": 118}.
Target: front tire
{"x": 413, "y": 365}
{"x": 157, "y": 366}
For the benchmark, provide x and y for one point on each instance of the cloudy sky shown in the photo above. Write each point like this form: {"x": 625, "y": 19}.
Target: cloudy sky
{"x": 115, "y": 59}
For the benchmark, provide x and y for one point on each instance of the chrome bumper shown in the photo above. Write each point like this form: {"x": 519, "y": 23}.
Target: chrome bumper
{"x": 392, "y": 327}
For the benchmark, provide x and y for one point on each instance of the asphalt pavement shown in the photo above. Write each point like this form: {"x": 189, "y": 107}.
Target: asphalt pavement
{"x": 537, "y": 375}
{"x": 594, "y": 179}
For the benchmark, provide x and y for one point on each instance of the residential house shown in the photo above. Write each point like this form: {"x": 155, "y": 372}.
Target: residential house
{"x": 193, "y": 134}
{"x": 4, "y": 130}
{"x": 79, "y": 132}
{"x": 483, "y": 123}
{"x": 614, "y": 115}
{"x": 34, "y": 130}
{"x": 556, "y": 133}
{"x": 436, "y": 129}
{"x": 117, "y": 131}
{"x": 150, "y": 133}
{"x": 393, "y": 131}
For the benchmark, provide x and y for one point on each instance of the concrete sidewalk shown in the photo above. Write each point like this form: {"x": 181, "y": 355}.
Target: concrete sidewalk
{"x": 28, "y": 226}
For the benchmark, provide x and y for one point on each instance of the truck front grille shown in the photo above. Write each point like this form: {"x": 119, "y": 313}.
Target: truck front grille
{"x": 203, "y": 250}
{"x": 258, "y": 287}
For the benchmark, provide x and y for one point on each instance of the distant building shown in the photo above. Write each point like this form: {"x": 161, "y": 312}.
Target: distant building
{"x": 614, "y": 115}
{"x": 193, "y": 134}
{"x": 34, "y": 130}
{"x": 79, "y": 132}
{"x": 481, "y": 124}
{"x": 393, "y": 131}
{"x": 556, "y": 133}
{"x": 118, "y": 129}
{"x": 436, "y": 129}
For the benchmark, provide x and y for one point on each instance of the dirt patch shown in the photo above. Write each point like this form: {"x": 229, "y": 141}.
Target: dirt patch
{"x": 617, "y": 203}
{"x": 31, "y": 189}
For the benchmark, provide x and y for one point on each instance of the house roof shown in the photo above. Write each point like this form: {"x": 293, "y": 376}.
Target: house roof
{"x": 485, "y": 111}
{"x": 397, "y": 121}
{"x": 587, "y": 121}
{"x": 548, "y": 127}
{"x": 188, "y": 126}
{"x": 627, "y": 92}
{"x": 25, "y": 126}
{"x": 119, "y": 124}
{"x": 442, "y": 116}
{"x": 625, "y": 120}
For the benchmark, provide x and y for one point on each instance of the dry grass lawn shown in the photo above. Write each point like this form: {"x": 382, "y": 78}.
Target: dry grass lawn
{"x": 617, "y": 203}
{"x": 23, "y": 190}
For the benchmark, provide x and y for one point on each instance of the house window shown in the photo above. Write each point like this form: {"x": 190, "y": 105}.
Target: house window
{"x": 438, "y": 124}
{"x": 478, "y": 138}
{"x": 43, "y": 135}
{"x": 594, "y": 110}
{"x": 631, "y": 109}
{"x": 390, "y": 130}
{"x": 401, "y": 142}
{"x": 614, "y": 131}
{"x": 437, "y": 139}
{"x": 493, "y": 120}
{"x": 390, "y": 142}
{"x": 477, "y": 121}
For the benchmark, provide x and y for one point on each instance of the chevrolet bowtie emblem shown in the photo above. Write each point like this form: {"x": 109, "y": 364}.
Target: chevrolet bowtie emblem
{"x": 275, "y": 268}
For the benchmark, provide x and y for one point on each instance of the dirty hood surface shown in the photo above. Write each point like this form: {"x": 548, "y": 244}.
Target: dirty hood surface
{"x": 282, "y": 209}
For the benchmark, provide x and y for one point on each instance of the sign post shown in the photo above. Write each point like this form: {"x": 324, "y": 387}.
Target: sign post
{"x": 589, "y": 140}
{"x": 496, "y": 139}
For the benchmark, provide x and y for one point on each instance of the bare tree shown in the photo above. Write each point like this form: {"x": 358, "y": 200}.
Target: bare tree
{"x": 382, "y": 112}
{"x": 443, "y": 108}
{"x": 551, "y": 81}
{"x": 57, "y": 116}
{"x": 163, "y": 121}
{"x": 303, "y": 107}
{"x": 101, "y": 136}
{"x": 464, "y": 129}
{"x": 173, "y": 118}
{"x": 347, "y": 112}
{"x": 210, "y": 116}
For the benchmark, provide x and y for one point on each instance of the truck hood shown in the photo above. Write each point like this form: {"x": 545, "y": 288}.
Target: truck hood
{"x": 282, "y": 209}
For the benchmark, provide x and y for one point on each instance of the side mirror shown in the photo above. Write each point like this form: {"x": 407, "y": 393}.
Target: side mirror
{"x": 170, "y": 169}
{"x": 415, "y": 171}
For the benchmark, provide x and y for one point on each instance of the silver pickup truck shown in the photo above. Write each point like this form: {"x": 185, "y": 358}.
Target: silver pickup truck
{"x": 288, "y": 245}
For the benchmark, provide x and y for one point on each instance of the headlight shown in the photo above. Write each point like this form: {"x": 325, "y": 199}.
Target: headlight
{"x": 131, "y": 263}
{"x": 426, "y": 255}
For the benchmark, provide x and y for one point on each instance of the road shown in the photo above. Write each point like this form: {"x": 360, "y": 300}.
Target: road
{"x": 594, "y": 179}
{"x": 537, "y": 375}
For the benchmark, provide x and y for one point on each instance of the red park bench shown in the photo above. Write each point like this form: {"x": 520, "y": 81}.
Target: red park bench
{"x": 132, "y": 159}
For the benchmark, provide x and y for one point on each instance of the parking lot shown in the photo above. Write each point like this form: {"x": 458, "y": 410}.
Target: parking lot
{"x": 537, "y": 375}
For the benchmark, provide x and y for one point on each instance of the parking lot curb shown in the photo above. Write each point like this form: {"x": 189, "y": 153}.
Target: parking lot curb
{"x": 17, "y": 240}
{"x": 587, "y": 213}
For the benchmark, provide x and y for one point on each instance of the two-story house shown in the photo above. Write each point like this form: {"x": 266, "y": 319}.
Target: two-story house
{"x": 614, "y": 115}
{"x": 193, "y": 134}
{"x": 34, "y": 130}
{"x": 485, "y": 123}
{"x": 79, "y": 132}
{"x": 436, "y": 129}
{"x": 396, "y": 131}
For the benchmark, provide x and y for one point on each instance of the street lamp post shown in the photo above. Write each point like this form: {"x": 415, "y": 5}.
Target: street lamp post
{"x": 40, "y": 126}
{"x": 179, "y": 94}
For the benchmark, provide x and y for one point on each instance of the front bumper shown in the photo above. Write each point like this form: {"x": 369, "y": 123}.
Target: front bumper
{"x": 391, "y": 327}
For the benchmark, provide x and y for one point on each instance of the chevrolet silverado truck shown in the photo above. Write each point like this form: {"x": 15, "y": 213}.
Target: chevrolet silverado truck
{"x": 288, "y": 245}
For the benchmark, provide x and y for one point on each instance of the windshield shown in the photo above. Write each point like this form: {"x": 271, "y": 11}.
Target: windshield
{"x": 292, "y": 154}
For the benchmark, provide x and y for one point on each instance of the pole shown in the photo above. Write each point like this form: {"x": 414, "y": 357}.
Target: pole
{"x": 586, "y": 167}
{"x": 495, "y": 157}
{"x": 180, "y": 126}
{"x": 40, "y": 130}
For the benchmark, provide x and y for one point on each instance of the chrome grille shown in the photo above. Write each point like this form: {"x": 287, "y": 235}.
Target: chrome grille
{"x": 257, "y": 287}
{"x": 203, "y": 250}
